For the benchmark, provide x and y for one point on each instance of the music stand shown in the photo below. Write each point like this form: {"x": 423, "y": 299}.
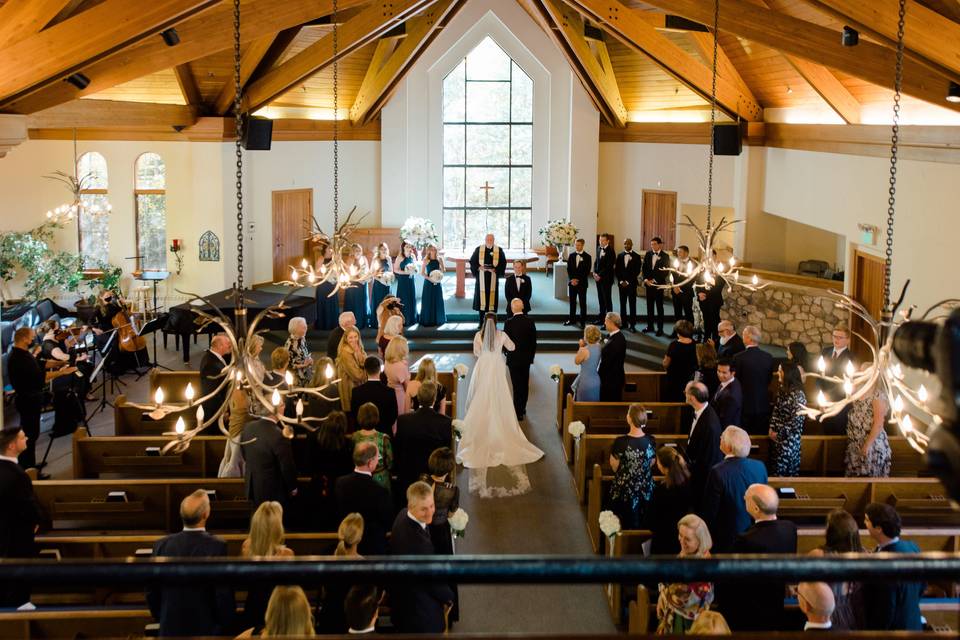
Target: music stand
{"x": 152, "y": 327}
{"x": 154, "y": 277}
{"x": 101, "y": 371}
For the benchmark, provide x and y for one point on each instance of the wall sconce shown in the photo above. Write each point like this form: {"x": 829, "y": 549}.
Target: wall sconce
{"x": 176, "y": 248}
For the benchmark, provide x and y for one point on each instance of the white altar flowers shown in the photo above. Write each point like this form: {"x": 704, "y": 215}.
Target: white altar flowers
{"x": 419, "y": 232}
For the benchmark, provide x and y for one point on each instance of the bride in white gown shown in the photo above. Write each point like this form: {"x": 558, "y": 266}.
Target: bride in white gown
{"x": 492, "y": 435}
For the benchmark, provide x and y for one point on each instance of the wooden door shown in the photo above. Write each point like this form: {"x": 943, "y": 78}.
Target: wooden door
{"x": 292, "y": 215}
{"x": 659, "y": 219}
{"x": 867, "y": 289}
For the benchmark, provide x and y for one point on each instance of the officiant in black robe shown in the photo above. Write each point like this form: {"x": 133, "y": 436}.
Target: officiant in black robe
{"x": 487, "y": 265}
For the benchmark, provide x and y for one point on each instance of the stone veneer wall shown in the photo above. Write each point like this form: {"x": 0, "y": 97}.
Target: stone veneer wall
{"x": 786, "y": 313}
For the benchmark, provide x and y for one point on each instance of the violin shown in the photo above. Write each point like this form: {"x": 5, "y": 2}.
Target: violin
{"x": 127, "y": 331}
{"x": 71, "y": 336}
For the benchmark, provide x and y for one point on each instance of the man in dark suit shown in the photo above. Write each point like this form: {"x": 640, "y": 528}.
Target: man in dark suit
{"x": 703, "y": 443}
{"x": 417, "y": 607}
{"x": 758, "y": 606}
{"x": 21, "y": 513}
{"x": 519, "y": 285}
{"x": 184, "y": 610}
{"x": 754, "y": 368}
{"x": 627, "y": 273}
{"x": 728, "y": 399}
{"x": 890, "y": 606}
{"x": 613, "y": 355}
{"x": 361, "y": 607}
{"x": 817, "y": 604}
{"x": 214, "y": 360}
{"x": 682, "y": 296}
{"x": 729, "y": 344}
{"x": 418, "y": 435}
{"x": 710, "y": 298}
{"x": 358, "y": 492}
{"x": 346, "y": 320}
{"x": 578, "y": 272}
{"x": 603, "y": 272}
{"x": 521, "y": 329}
{"x": 838, "y": 361}
{"x": 269, "y": 472}
{"x": 722, "y": 507}
{"x": 374, "y": 390}
{"x": 655, "y": 263}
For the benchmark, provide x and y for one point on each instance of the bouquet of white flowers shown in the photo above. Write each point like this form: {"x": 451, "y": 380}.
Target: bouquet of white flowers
{"x": 609, "y": 523}
{"x": 410, "y": 269}
{"x": 435, "y": 276}
{"x": 419, "y": 232}
{"x": 458, "y": 522}
{"x": 461, "y": 370}
{"x": 386, "y": 278}
{"x": 555, "y": 372}
{"x": 458, "y": 426}
{"x": 559, "y": 233}
{"x": 576, "y": 429}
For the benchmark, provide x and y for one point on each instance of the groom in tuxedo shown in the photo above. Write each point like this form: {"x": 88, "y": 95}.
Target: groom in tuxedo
{"x": 522, "y": 331}
{"x": 612, "y": 358}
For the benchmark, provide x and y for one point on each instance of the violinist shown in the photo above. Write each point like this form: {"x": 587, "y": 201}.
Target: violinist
{"x": 58, "y": 348}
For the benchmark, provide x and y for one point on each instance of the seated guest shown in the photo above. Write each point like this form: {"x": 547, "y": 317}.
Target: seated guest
{"x": 631, "y": 458}
{"x": 184, "y": 610}
{"x": 868, "y": 448}
{"x": 331, "y": 456}
{"x": 376, "y": 391}
{"x": 755, "y": 367}
{"x": 368, "y": 417}
{"x": 722, "y": 506}
{"x": 728, "y": 397}
{"x": 709, "y": 623}
{"x": 427, "y": 371}
{"x": 362, "y": 607}
{"x": 890, "y": 606}
{"x": 703, "y": 444}
{"x": 707, "y": 367}
{"x": 786, "y": 422}
{"x": 269, "y": 472}
{"x": 214, "y": 360}
{"x": 680, "y": 362}
{"x": 289, "y": 614}
{"x": 265, "y": 540}
{"x": 391, "y": 330}
{"x": 357, "y": 492}
{"x": 417, "y": 607}
{"x": 817, "y": 605}
{"x": 345, "y": 321}
{"x": 419, "y": 434}
{"x": 324, "y": 375}
{"x": 21, "y": 511}
{"x": 332, "y": 618}
{"x": 843, "y": 536}
{"x": 301, "y": 361}
{"x": 396, "y": 370}
{"x": 586, "y": 387}
{"x": 679, "y": 603}
{"x": 446, "y": 500}
{"x": 671, "y": 501}
{"x": 350, "y": 359}
{"x": 797, "y": 354}
{"x": 730, "y": 344}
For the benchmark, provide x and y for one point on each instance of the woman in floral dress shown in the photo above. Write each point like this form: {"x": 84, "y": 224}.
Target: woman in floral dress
{"x": 301, "y": 361}
{"x": 786, "y": 423}
{"x": 868, "y": 449}
{"x": 679, "y": 603}
{"x": 632, "y": 457}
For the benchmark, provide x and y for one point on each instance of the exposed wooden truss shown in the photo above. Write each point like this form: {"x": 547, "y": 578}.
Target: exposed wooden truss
{"x": 21, "y": 19}
{"x": 188, "y": 85}
{"x": 725, "y": 69}
{"x": 112, "y": 113}
{"x": 251, "y": 58}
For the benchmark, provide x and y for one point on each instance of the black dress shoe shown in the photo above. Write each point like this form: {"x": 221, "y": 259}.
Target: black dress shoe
{"x": 648, "y": 330}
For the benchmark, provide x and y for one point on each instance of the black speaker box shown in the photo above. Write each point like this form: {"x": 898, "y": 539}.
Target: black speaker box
{"x": 257, "y": 133}
{"x": 727, "y": 140}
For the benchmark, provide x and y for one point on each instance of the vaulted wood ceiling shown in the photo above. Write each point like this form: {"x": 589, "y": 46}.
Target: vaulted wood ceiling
{"x": 637, "y": 61}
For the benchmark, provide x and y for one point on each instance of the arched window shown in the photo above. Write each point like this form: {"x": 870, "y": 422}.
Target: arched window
{"x": 93, "y": 226}
{"x": 487, "y": 150}
{"x": 151, "y": 196}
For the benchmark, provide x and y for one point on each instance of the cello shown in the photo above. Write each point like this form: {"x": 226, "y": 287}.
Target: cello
{"x": 127, "y": 332}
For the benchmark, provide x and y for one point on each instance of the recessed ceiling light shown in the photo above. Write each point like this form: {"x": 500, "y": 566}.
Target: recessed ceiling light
{"x": 170, "y": 37}
{"x": 850, "y": 37}
{"x": 953, "y": 93}
{"x": 78, "y": 80}
{"x": 789, "y": 90}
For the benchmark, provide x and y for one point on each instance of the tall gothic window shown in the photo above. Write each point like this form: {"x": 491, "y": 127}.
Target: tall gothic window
{"x": 93, "y": 229}
{"x": 487, "y": 150}
{"x": 151, "y": 198}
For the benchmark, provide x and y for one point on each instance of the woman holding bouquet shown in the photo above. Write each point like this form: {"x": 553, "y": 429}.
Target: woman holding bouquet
{"x": 404, "y": 268}
{"x": 381, "y": 284}
{"x": 355, "y": 297}
{"x": 431, "y": 296}
{"x": 328, "y": 306}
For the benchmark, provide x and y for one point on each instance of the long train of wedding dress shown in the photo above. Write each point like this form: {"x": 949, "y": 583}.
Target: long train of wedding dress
{"x": 491, "y": 434}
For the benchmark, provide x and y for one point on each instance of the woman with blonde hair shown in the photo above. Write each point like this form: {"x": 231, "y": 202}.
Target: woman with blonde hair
{"x": 709, "y": 623}
{"x": 427, "y": 371}
{"x": 432, "y": 313}
{"x": 324, "y": 373}
{"x": 397, "y": 371}
{"x": 231, "y": 466}
{"x": 257, "y": 371}
{"x": 680, "y": 603}
{"x": 349, "y": 534}
{"x": 289, "y": 614}
{"x": 332, "y": 617}
{"x": 265, "y": 541}
{"x": 350, "y": 357}
{"x": 380, "y": 264}
{"x": 392, "y": 328}
{"x": 586, "y": 388}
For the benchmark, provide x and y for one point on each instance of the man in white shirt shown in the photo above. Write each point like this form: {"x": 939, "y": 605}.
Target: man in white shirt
{"x": 361, "y": 607}
{"x": 817, "y": 603}
{"x": 519, "y": 285}
{"x": 578, "y": 273}
{"x": 21, "y": 514}
{"x": 627, "y": 272}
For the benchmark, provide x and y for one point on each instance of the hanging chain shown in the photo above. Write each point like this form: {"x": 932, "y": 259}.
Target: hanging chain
{"x": 713, "y": 112}
{"x": 336, "y": 122}
{"x": 894, "y": 141}
{"x": 238, "y": 124}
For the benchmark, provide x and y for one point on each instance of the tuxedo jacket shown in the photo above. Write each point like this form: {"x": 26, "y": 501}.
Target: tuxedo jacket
{"x": 269, "y": 472}
{"x": 184, "y": 610}
{"x": 754, "y": 368}
{"x": 714, "y": 296}
{"x": 416, "y": 606}
{"x": 722, "y": 507}
{"x": 210, "y": 368}
{"x": 835, "y": 367}
{"x": 733, "y": 346}
{"x": 755, "y": 606}
{"x": 360, "y": 493}
{"x": 728, "y": 403}
{"x": 518, "y": 287}
{"x": 522, "y": 331}
{"x": 579, "y": 271}
{"x": 21, "y": 512}
{"x": 612, "y": 358}
{"x": 654, "y": 266}
{"x": 604, "y": 264}
{"x": 703, "y": 448}
{"x": 894, "y": 606}
{"x": 418, "y": 435}
{"x": 626, "y": 271}
{"x": 382, "y": 396}
{"x": 333, "y": 341}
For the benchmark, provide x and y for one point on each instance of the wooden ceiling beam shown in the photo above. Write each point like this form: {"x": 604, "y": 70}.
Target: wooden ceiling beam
{"x": 624, "y": 24}
{"x": 188, "y": 85}
{"x": 85, "y": 114}
{"x": 867, "y": 61}
{"x": 594, "y": 69}
{"x": 725, "y": 69}
{"x": 55, "y": 53}
{"x": 392, "y": 59}
{"x": 372, "y": 22}
{"x": 946, "y": 8}
{"x": 249, "y": 61}
{"x": 21, "y": 19}
{"x": 200, "y": 36}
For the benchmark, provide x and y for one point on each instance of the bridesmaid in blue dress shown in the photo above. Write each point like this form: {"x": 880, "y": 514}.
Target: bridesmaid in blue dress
{"x": 381, "y": 264}
{"x": 405, "y": 289}
{"x": 355, "y": 298}
{"x": 431, "y": 296}
{"x": 586, "y": 388}
{"x": 328, "y": 307}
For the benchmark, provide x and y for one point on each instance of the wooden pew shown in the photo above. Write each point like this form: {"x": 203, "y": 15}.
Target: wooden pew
{"x": 610, "y": 418}
{"x": 639, "y": 386}
{"x": 174, "y": 382}
{"x": 627, "y": 543}
{"x": 946, "y": 539}
{"x": 96, "y": 623}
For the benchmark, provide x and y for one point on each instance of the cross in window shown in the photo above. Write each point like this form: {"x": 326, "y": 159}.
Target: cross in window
{"x": 486, "y": 188}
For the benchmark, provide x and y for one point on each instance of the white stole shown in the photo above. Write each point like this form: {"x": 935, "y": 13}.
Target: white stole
{"x": 488, "y": 297}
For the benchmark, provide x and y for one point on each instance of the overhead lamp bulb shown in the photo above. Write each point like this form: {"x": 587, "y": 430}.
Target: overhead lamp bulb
{"x": 850, "y": 37}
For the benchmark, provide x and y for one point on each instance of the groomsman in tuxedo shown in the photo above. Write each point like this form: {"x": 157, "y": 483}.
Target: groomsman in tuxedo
{"x": 711, "y": 301}
{"x": 728, "y": 399}
{"x": 603, "y": 269}
{"x": 21, "y": 513}
{"x": 578, "y": 270}
{"x": 627, "y": 272}
{"x": 522, "y": 331}
{"x": 683, "y": 295}
{"x": 655, "y": 264}
{"x": 612, "y": 358}
{"x": 519, "y": 285}
{"x": 836, "y": 358}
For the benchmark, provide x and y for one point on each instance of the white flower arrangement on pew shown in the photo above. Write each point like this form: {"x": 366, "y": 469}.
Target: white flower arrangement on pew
{"x": 461, "y": 370}
{"x": 555, "y": 372}
{"x": 420, "y": 232}
{"x": 435, "y": 276}
{"x": 609, "y": 524}
{"x": 458, "y": 522}
{"x": 576, "y": 429}
{"x": 458, "y": 427}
